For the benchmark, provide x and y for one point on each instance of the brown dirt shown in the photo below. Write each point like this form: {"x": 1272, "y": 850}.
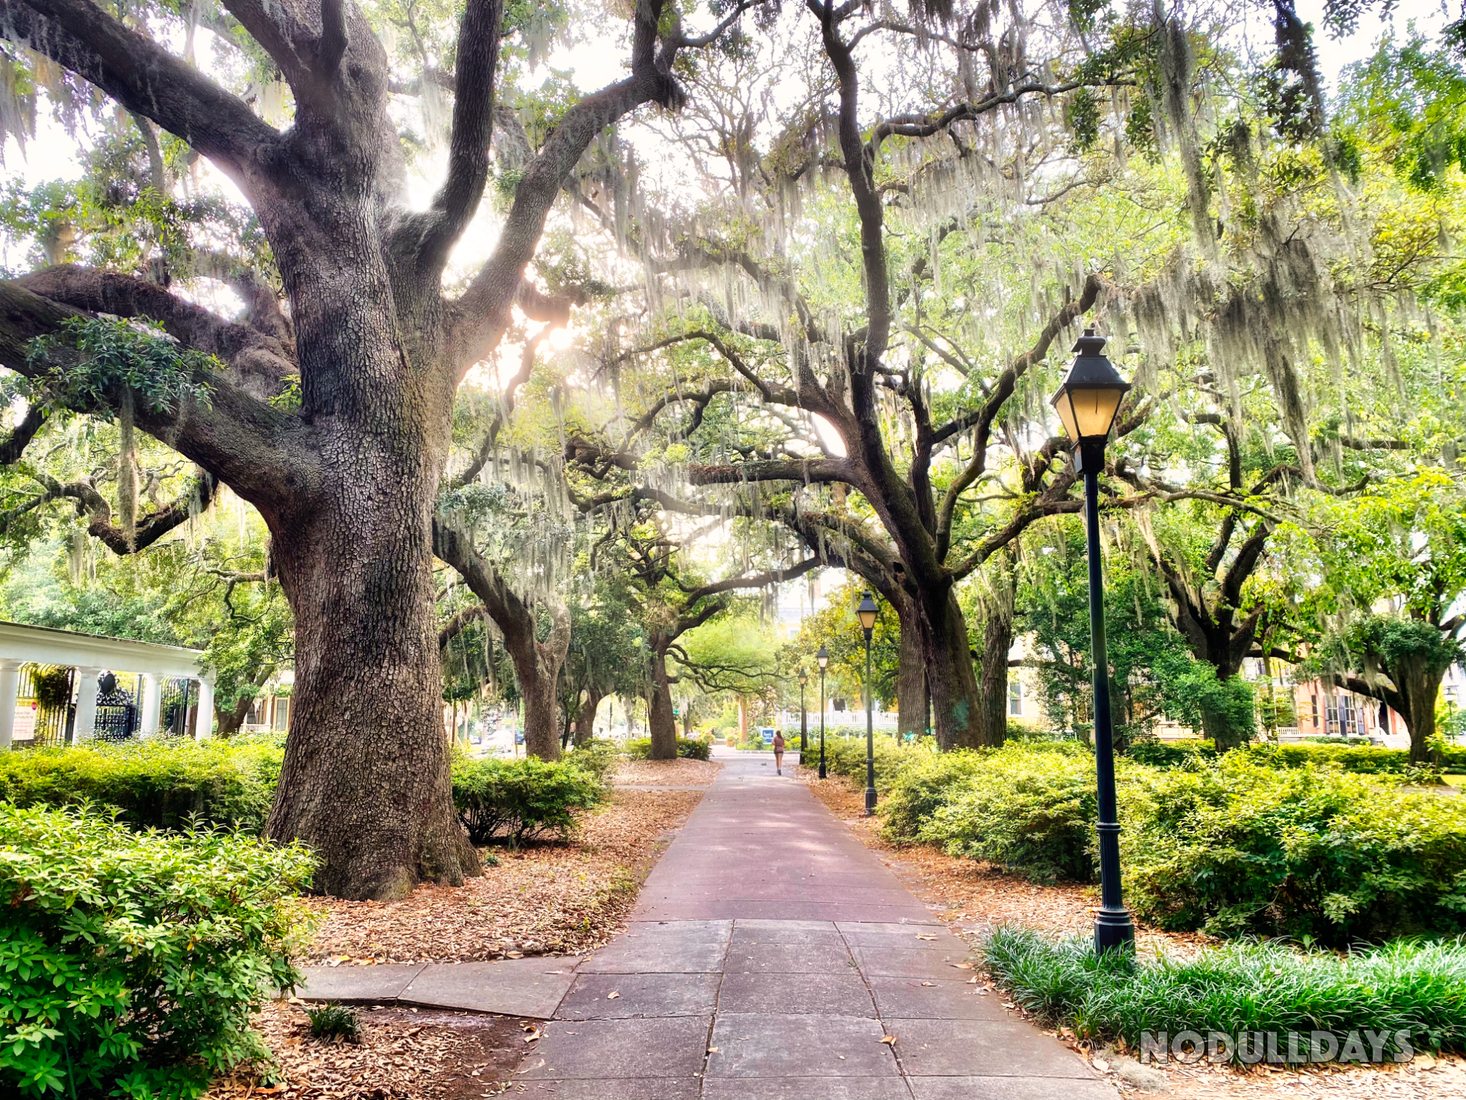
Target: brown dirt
{"x": 403, "y": 1054}
{"x": 548, "y": 899}
{"x": 975, "y": 898}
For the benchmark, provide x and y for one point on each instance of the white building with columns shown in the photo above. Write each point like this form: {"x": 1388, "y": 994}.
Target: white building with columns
{"x": 90, "y": 656}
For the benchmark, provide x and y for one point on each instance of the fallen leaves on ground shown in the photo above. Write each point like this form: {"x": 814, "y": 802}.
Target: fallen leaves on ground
{"x": 972, "y": 897}
{"x": 666, "y": 773}
{"x": 540, "y": 900}
{"x": 403, "y": 1054}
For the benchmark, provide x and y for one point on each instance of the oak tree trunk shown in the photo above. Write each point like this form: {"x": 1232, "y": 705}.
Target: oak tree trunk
{"x": 997, "y": 641}
{"x": 954, "y": 691}
{"x": 659, "y": 709}
{"x": 229, "y": 719}
{"x": 1418, "y": 685}
{"x": 911, "y": 711}
{"x": 537, "y": 687}
{"x": 585, "y": 720}
{"x": 365, "y": 780}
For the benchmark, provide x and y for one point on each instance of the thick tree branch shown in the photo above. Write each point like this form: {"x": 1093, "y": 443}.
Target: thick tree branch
{"x": 260, "y": 452}
{"x": 146, "y": 531}
{"x": 482, "y": 312}
{"x": 983, "y": 418}
{"x": 259, "y": 360}
{"x": 14, "y": 445}
{"x": 145, "y": 78}
{"x": 479, "y": 35}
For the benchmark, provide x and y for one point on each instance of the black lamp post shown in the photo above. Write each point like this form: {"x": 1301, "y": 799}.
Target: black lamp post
{"x": 1087, "y": 400}
{"x": 866, "y": 613}
{"x": 822, "y": 658}
{"x": 803, "y": 717}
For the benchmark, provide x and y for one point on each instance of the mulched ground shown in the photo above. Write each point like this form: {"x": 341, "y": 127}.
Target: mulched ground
{"x": 547, "y": 899}
{"x": 975, "y": 898}
{"x": 403, "y": 1054}
{"x": 666, "y": 773}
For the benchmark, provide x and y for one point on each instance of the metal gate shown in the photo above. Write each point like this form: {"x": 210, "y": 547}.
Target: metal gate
{"x": 175, "y": 698}
{"x": 116, "y": 710}
{"x": 46, "y": 691}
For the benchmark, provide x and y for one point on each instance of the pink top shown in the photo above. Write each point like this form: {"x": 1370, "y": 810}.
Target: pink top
{"x": 778, "y": 742}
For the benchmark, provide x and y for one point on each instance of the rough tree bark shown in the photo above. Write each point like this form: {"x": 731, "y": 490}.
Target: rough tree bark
{"x": 911, "y": 698}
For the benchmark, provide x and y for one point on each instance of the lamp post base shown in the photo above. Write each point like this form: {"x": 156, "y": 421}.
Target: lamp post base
{"x": 1113, "y": 930}
{"x": 870, "y": 801}
{"x": 823, "y": 773}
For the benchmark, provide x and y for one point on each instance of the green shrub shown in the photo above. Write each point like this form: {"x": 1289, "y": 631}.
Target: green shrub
{"x": 1166, "y": 754}
{"x": 688, "y": 748}
{"x": 1364, "y": 759}
{"x": 596, "y": 757}
{"x": 1416, "y": 988}
{"x": 130, "y": 963}
{"x": 920, "y": 789}
{"x": 1023, "y": 809}
{"x": 1308, "y": 852}
{"x": 845, "y": 756}
{"x": 514, "y": 800}
{"x": 155, "y": 783}
{"x": 331, "y": 1022}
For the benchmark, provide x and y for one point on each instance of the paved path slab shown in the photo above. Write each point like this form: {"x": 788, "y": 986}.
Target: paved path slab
{"x": 772, "y": 956}
{"x": 356, "y": 984}
{"x": 508, "y": 987}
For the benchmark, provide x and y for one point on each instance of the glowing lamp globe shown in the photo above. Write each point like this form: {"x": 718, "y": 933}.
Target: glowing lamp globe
{"x": 1090, "y": 394}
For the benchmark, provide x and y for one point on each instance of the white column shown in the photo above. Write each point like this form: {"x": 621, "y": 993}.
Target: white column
{"x": 150, "y": 689}
{"x": 203, "y": 719}
{"x": 9, "y": 685}
{"x": 85, "y": 726}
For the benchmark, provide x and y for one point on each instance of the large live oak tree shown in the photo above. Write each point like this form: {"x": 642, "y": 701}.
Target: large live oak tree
{"x": 347, "y": 483}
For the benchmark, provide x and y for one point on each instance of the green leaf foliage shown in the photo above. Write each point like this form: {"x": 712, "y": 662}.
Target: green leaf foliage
{"x": 130, "y": 963}
{"x": 102, "y": 355}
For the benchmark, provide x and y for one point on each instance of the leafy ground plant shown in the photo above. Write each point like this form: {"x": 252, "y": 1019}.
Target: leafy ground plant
{"x": 1260, "y": 987}
{"x": 130, "y": 963}
{"x": 332, "y": 1022}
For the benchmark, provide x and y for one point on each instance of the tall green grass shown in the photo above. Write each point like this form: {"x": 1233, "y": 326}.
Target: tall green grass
{"x": 1415, "y": 987}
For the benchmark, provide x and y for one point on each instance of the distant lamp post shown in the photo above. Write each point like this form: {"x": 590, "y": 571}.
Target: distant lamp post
{"x": 803, "y": 716}
{"x": 822, "y": 658}
{"x": 1087, "y": 400}
{"x": 866, "y": 613}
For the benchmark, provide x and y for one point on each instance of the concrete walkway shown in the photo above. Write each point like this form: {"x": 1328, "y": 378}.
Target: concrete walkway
{"x": 772, "y": 956}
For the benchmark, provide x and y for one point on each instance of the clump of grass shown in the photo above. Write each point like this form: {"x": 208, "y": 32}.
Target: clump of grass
{"x": 331, "y": 1021}
{"x": 1415, "y": 987}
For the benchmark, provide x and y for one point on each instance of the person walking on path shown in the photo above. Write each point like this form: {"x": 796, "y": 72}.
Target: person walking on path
{"x": 778, "y": 752}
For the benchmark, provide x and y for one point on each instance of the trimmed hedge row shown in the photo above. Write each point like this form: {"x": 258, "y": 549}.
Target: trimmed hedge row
{"x": 1351, "y": 757}
{"x": 158, "y": 783}
{"x": 1232, "y": 846}
{"x": 130, "y": 963}
{"x": 688, "y": 748}
{"x": 177, "y": 784}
